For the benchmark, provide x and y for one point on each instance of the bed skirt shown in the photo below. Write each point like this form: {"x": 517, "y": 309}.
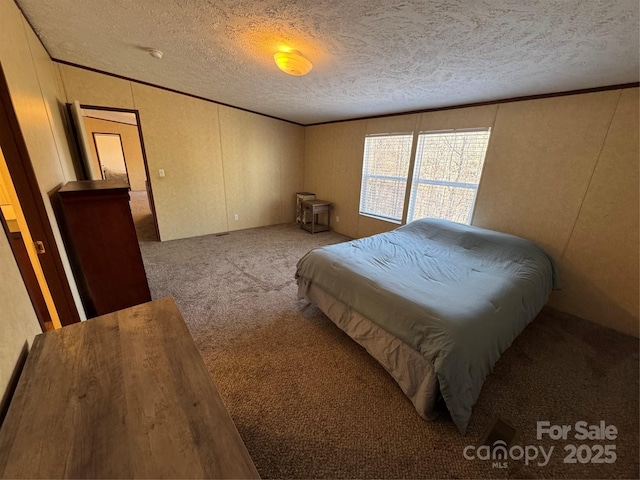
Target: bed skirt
{"x": 410, "y": 369}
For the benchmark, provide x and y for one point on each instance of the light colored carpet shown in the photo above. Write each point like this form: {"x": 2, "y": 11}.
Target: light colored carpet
{"x": 310, "y": 403}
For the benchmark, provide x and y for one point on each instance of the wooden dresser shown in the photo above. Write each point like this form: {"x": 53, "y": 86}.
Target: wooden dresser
{"x": 102, "y": 245}
{"x": 124, "y": 395}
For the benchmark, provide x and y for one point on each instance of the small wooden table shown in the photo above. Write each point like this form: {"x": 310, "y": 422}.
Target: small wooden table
{"x": 125, "y": 395}
{"x": 313, "y": 209}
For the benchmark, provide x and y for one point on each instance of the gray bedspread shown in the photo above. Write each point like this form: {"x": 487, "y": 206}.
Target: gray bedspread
{"x": 458, "y": 294}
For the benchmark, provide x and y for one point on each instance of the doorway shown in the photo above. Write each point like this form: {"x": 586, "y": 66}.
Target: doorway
{"x": 25, "y": 221}
{"x": 25, "y": 251}
{"x": 113, "y": 147}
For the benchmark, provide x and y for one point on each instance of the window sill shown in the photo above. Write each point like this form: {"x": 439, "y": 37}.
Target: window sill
{"x": 382, "y": 219}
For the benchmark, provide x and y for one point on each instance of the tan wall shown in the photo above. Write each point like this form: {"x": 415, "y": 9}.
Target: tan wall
{"x": 333, "y": 171}
{"x": 181, "y": 136}
{"x": 94, "y": 89}
{"x": 561, "y": 171}
{"x": 38, "y": 100}
{"x": 262, "y": 160}
{"x": 600, "y": 260}
{"x": 18, "y": 322}
{"x": 218, "y": 161}
{"x": 538, "y": 165}
{"x": 548, "y": 177}
{"x": 35, "y": 89}
{"x": 130, "y": 145}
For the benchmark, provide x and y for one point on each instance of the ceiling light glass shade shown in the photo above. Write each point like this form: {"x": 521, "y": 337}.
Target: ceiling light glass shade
{"x": 292, "y": 62}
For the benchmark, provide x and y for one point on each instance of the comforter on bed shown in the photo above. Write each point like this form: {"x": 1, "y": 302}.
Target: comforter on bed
{"x": 457, "y": 294}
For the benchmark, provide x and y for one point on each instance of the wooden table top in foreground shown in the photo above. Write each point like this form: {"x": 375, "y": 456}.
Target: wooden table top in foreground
{"x": 125, "y": 395}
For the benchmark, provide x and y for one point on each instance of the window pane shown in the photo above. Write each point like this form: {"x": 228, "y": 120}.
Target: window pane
{"x": 384, "y": 175}
{"x": 450, "y": 203}
{"x": 452, "y": 157}
{"x": 385, "y": 198}
{"x": 446, "y": 174}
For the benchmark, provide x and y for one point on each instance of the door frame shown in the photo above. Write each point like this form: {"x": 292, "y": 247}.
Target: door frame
{"x": 19, "y": 249}
{"x": 142, "y": 148}
{"x": 26, "y": 185}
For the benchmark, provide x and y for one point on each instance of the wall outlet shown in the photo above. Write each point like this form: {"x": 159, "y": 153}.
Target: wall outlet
{"x": 337, "y": 219}
{"x": 161, "y": 172}
{"x": 235, "y": 217}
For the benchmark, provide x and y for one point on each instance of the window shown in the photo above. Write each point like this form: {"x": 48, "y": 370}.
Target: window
{"x": 446, "y": 174}
{"x": 384, "y": 175}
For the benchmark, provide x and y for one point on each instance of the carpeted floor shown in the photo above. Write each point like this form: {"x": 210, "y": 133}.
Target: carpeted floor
{"x": 310, "y": 403}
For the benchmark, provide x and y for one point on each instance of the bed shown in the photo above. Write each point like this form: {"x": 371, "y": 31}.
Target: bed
{"x": 110, "y": 174}
{"x": 435, "y": 302}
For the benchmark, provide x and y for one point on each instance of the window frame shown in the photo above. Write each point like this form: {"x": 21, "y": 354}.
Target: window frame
{"x": 414, "y": 163}
{"x": 411, "y": 201}
{"x": 404, "y": 180}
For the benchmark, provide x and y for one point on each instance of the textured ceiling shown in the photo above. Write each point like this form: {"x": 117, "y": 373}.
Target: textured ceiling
{"x": 370, "y": 57}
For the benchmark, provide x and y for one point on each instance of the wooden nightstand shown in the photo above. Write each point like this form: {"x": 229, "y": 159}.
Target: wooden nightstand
{"x": 312, "y": 210}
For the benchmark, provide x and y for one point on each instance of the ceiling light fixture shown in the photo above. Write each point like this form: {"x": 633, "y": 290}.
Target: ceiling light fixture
{"x": 155, "y": 53}
{"x": 292, "y": 62}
